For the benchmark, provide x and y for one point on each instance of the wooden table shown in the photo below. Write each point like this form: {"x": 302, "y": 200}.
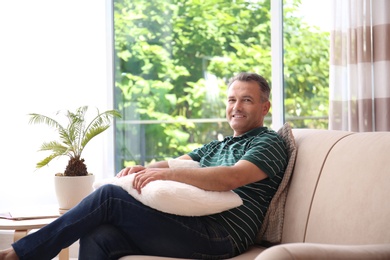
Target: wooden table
{"x": 23, "y": 227}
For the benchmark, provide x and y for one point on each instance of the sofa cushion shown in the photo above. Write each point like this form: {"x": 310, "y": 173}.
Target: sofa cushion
{"x": 325, "y": 251}
{"x": 351, "y": 201}
{"x": 313, "y": 146}
{"x": 272, "y": 227}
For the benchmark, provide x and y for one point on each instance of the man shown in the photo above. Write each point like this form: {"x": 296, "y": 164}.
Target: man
{"x": 110, "y": 223}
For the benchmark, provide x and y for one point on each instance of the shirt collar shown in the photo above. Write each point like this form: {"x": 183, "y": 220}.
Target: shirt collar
{"x": 253, "y": 132}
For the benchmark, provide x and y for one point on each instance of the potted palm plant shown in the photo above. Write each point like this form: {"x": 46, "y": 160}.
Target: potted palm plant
{"x": 75, "y": 182}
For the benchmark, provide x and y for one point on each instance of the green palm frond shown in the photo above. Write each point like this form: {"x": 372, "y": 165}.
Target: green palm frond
{"x": 58, "y": 148}
{"x": 98, "y": 125}
{"x": 48, "y": 159}
{"x": 93, "y": 131}
{"x": 39, "y": 119}
{"x": 42, "y": 119}
{"x": 65, "y": 137}
{"x": 53, "y": 146}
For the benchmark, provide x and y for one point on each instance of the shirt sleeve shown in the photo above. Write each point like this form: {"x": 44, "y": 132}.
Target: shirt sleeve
{"x": 268, "y": 152}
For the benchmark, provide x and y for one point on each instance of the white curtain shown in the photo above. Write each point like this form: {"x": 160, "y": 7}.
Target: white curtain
{"x": 360, "y": 66}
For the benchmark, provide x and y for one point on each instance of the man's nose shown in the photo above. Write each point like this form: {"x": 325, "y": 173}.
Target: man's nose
{"x": 237, "y": 105}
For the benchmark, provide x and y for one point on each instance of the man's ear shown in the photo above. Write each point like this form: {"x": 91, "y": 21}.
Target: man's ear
{"x": 266, "y": 107}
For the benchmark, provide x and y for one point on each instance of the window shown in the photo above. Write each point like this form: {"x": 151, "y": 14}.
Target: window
{"x": 306, "y": 62}
{"x": 174, "y": 58}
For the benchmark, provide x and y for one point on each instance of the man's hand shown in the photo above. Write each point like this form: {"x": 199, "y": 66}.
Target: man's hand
{"x": 130, "y": 170}
{"x": 145, "y": 176}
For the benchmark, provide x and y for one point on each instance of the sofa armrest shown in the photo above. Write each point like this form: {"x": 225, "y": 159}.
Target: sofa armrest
{"x": 304, "y": 251}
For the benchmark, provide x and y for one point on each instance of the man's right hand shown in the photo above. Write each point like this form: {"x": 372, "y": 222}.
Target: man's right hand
{"x": 130, "y": 170}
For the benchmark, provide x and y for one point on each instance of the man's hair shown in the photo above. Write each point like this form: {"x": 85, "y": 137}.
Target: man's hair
{"x": 262, "y": 82}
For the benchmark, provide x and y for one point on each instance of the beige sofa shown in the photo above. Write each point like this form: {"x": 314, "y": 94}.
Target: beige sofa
{"x": 336, "y": 206}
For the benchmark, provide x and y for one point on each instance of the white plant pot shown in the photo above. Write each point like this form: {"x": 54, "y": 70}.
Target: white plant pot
{"x": 70, "y": 190}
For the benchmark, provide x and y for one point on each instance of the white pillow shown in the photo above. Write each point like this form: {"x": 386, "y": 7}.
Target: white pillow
{"x": 176, "y": 197}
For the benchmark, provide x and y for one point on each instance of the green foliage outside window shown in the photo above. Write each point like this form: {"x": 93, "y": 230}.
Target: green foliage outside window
{"x": 174, "y": 58}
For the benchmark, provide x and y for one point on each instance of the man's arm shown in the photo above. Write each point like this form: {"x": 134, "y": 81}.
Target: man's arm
{"x": 220, "y": 178}
{"x": 137, "y": 168}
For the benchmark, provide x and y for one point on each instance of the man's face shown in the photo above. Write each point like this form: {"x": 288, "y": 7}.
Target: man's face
{"x": 244, "y": 109}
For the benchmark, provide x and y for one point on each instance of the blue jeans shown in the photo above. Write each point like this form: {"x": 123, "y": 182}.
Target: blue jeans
{"x": 110, "y": 223}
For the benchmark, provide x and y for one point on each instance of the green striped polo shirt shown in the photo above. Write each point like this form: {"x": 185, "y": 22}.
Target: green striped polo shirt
{"x": 267, "y": 150}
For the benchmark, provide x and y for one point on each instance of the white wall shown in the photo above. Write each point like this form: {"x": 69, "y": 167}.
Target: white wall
{"x": 54, "y": 55}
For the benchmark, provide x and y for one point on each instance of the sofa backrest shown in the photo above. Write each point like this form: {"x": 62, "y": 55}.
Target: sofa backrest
{"x": 339, "y": 188}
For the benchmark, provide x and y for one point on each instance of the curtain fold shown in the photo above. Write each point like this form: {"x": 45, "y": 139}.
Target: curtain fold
{"x": 360, "y": 66}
